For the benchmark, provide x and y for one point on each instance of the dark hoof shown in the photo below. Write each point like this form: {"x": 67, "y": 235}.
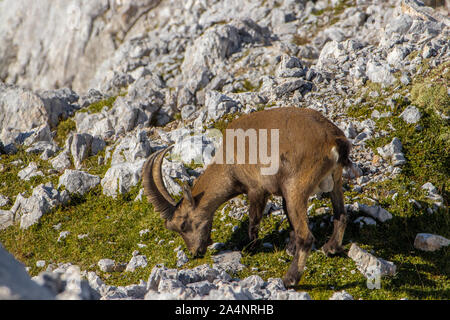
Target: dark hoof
{"x": 290, "y": 281}
{"x": 331, "y": 250}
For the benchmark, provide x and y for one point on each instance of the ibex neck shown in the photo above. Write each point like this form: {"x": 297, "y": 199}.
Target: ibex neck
{"x": 216, "y": 187}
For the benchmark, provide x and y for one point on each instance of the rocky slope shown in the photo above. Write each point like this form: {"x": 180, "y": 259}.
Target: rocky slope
{"x": 89, "y": 89}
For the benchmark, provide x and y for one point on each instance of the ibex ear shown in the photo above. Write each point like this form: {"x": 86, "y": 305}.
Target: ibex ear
{"x": 188, "y": 195}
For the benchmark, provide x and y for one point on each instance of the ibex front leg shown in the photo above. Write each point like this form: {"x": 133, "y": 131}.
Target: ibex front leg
{"x": 296, "y": 209}
{"x": 334, "y": 245}
{"x": 257, "y": 204}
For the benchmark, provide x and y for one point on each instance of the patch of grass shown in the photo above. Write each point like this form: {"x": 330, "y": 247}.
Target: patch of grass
{"x": 432, "y": 96}
{"x": 10, "y": 183}
{"x": 317, "y": 12}
{"x": 248, "y": 86}
{"x": 99, "y": 105}
{"x": 299, "y": 40}
{"x": 63, "y": 129}
{"x": 113, "y": 227}
{"x": 341, "y": 6}
{"x": 413, "y": 55}
{"x": 223, "y": 122}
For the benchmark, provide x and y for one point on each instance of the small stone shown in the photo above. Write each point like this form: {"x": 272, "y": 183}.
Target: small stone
{"x": 40, "y": 263}
{"x": 143, "y": 232}
{"x": 216, "y": 246}
{"x": 228, "y": 261}
{"x": 106, "y": 265}
{"x": 376, "y": 212}
{"x": 432, "y": 191}
{"x": 78, "y": 181}
{"x": 430, "y": 242}
{"x": 57, "y": 226}
{"x": 182, "y": 259}
{"x": 267, "y": 245}
{"x": 137, "y": 261}
{"x": 411, "y": 115}
{"x": 368, "y": 263}
{"x": 202, "y": 288}
{"x": 63, "y": 235}
{"x": 30, "y": 171}
{"x": 3, "y": 200}
{"x": 365, "y": 221}
{"x": 341, "y": 295}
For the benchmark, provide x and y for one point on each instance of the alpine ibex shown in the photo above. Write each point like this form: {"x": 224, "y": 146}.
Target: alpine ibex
{"x": 312, "y": 155}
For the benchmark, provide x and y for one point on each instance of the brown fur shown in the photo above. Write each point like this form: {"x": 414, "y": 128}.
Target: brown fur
{"x": 306, "y": 140}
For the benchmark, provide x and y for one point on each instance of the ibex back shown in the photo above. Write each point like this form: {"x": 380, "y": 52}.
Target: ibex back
{"x": 312, "y": 154}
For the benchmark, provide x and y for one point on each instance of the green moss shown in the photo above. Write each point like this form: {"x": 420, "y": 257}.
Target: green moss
{"x": 99, "y": 105}
{"x": 413, "y": 55}
{"x": 341, "y": 6}
{"x": 10, "y": 183}
{"x": 63, "y": 129}
{"x": 432, "y": 96}
{"x": 249, "y": 86}
{"x": 223, "y": 122}
{"x": 317, "y": 12}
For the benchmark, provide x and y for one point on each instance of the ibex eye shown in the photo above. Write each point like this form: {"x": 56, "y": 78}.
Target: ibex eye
{"x": 183, "y": 226}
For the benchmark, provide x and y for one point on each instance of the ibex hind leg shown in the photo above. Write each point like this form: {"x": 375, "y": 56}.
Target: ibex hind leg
{"x": 290, "y": 248}
{"x": 334, "y": 244}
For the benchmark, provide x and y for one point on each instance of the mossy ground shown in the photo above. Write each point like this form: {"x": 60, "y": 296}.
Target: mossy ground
{"x": 113, "y": 225}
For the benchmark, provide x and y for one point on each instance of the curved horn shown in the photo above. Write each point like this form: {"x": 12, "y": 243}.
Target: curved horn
{"x": 154, "y": 188}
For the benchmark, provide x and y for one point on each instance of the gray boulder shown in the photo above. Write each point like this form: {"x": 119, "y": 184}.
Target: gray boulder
{"x": 78, "y": 181}
{"x": 106, "y": 265}
{"x": 15, "y": 283}
{"x": 137, "y": 261}
{"x": 228, "y": 261}
{"x": 368, "y": 264}
{"x": 24, "y": 114}
{"x": 341, "y": 295}
{"x": 44, "y": 198}
{"x": 73, "y": 37}
{"x": 121, "y": 177}
{"x": 6, "y": 219}
{"x": 83, "y": 145}
{"x": 30, "y": 171}
{"x": 393, "y": 152}
{"x": 3, "y": 200}
{"x": 290, "y": 67}
{"x": 430, "y": 242}
{"x": 411, "y": 115}
{"x": 62, "y": 161}
{"x": 379, "y": 73}
{"x": 375, "y": 211}
{"x": 41, "y": 133}
{"x": 218, "y": 104}
{"x": 132, "y": 148}
{"x": 207, "y": 55}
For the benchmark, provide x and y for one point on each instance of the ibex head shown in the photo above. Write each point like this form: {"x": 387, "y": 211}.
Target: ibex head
{"x": 186, "y": 216}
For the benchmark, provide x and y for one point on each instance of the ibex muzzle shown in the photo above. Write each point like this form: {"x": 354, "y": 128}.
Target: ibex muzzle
{"x": 312, "y": 154}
